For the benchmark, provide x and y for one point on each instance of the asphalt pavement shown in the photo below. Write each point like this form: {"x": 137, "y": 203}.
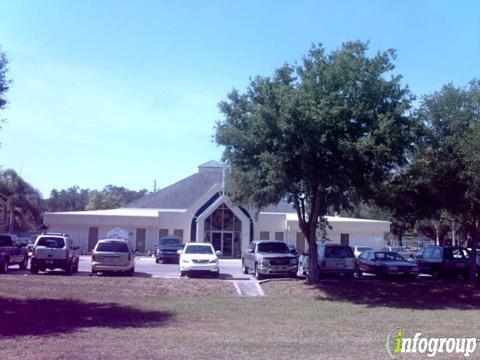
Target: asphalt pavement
{"x": 230, "y": 269}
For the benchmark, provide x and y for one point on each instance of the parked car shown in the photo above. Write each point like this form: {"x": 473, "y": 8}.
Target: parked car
{"x": 357, "y": 250}
{"x": 13, "y": 252}
{"x": 385, "y": 263}
{"x": 444, "y": 261}
{"x": 54, "y": 251}
{"x": 113, "y": 255}
{"x": 167, "y": 250}
{"x": 332, "y": 259}
{"x": 269, "y": 257}
{"x": 478, "y": 264}
{"x": 199, "y": 258}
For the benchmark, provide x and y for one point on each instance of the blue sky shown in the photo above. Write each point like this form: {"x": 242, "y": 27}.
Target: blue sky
{"x": 125, "y": 92}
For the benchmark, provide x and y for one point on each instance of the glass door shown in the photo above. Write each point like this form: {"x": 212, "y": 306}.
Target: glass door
{"x": 227, "y": 244}
{"x": 217, "y": 241}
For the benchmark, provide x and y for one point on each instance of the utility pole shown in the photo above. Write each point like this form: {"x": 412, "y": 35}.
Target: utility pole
{"x": 154, "y": 185}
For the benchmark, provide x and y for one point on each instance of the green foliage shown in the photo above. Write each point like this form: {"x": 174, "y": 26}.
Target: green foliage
{"x": 4, "y": 82}
{"x": 76, "y": 199}
{"x": 112, "y": 197}
{"x": 71, "y": 199}
{"x": 21, "y": 205}
{"x": 319, "y": 135}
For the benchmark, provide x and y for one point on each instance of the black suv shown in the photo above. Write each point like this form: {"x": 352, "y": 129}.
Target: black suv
{"x": 167, "y": 250}
{"x": 444, "y": 261}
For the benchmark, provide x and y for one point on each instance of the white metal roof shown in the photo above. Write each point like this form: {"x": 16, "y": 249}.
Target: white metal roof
{"x": 119, "y": 212}
{"x": 340, "y": 219}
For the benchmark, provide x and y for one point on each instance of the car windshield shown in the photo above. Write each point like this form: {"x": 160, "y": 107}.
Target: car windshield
{"x": 5, "y": 240}
{"x": 112, "y": 246}
{"x": 51, "y": 242}
{"x": 388, "y": 256}
{"x": 173, "y": 242}
{"x": 273, "y": 247}
{"x": 198, "y": 249}
{"x": 360, "y": 248}
{"x": 338, "y": 252}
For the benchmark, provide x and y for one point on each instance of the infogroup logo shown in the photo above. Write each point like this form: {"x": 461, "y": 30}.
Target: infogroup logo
{"x": 398, "y": 345}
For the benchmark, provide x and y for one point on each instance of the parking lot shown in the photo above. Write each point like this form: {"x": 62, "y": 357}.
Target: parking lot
{"x": 230, "y": 269}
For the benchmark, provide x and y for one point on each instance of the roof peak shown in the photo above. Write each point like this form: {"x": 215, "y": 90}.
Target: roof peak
{"x": 211, "y": 163}
{"x": 211, "y": 166}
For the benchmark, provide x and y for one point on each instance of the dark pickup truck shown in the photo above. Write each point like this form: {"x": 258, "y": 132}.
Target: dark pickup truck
{"x": 12, "y": 252}
{"x": 268, "y": 257}
{"x": 167, "y": 250}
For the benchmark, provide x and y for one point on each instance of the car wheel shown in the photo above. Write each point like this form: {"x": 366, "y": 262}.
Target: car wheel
{"x": 292, "y": 275}
{"x": 24, "y": 263}
{"x": 94, "y": 272}
{"x": 258, "y": 276}
{"x": 216, "y": 274}
{"x": 436, "y": 274}
{"x": 68, "y": 270}
{"x": 244, "y": 268}
{"x": 182, "y": 273}
{"x": 359, "y": 273}
{"x": 131, "y": 271}
{"x": 34, "y": 270}
{"x": 157, "y": 261}
{"x": 4, "y": 268}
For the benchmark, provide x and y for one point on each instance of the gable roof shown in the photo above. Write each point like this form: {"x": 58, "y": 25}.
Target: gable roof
{"x": 182, "y": 194}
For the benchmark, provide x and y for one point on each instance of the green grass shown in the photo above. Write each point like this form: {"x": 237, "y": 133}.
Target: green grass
{"x": 50, "y": 317}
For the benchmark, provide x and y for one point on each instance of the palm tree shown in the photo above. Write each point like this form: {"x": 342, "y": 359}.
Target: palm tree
{"x": 21, "y": 205}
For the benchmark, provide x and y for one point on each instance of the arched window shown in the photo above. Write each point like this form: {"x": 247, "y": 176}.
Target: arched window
{"x": 224, "y": 230}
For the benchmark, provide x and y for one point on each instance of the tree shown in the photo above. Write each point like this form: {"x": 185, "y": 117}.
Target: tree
{"x": 449, "y": 157}
{"x": 4, "y": 82}
{"x": 21, "y": 205}
{"x": 319, "y": 134}
{"x": 112, "y": 197}
{"x": 71, "y": 199}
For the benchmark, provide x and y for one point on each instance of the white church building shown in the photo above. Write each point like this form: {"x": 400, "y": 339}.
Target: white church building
{"x": 197, "y": 209}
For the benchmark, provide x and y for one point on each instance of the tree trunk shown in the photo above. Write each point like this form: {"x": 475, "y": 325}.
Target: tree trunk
{"x": 400, "y": 238}
{"x": 313, "y": 273}
{"x": 473, "y": 257}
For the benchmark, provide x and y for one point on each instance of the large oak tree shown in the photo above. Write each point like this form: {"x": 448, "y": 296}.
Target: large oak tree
{"x": 319, "y": 134}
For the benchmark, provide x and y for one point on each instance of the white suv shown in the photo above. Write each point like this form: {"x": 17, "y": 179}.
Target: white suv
{"x": 200, "y": 258}
{"x": 54, "y": 251}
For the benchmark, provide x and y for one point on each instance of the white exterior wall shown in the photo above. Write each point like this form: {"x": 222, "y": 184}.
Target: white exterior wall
{"x": 361, "y": 232}
{"x": 270, "y": 222}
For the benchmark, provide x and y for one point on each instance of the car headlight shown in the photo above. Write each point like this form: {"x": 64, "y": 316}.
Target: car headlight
{"x": 293, "y": 261}
{"x": 185, "y": 261}
{"x": 393, "y": 268}
{"x": 264, "y": 262}
{"x": 213, "y": 261}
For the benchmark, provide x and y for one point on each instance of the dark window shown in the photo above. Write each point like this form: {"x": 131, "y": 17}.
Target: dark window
{"x": 338, "y": 252}
{"x": 5, "y": 240}
{"x": 273, "y": 247}
{"x": 345, "y": 239}
{"x": 389, "y": 256}
{"x": 112, "y": 246}
{"x": 170, "y": 241}
{"x": 198, "y": 249}
{"x": 51, "y": 242}
{"x": 264, "y": 235}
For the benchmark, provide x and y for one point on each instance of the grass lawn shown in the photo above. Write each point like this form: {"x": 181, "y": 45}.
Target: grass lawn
{"x": 57, "y": 317}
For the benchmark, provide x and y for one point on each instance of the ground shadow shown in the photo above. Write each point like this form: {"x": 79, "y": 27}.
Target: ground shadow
{"x": 418, "y": 294}
{"x": 20, "y": 317}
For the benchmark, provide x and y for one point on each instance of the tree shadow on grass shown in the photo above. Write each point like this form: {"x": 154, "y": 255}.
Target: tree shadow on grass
{"x": 424, "y": 295}
{"x": 21, "y": 317}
